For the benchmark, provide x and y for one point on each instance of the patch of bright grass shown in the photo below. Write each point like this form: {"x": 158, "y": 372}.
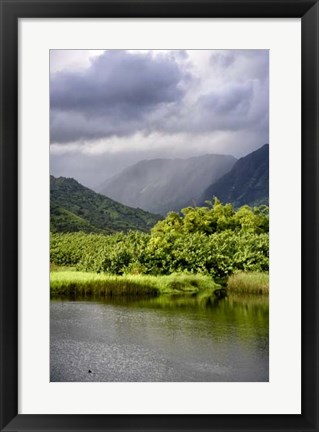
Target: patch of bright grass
{"x": 93, "y": 284}
{"x": 248, "y": 283}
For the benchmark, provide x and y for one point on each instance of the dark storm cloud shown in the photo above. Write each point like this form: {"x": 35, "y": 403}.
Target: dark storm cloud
{"x": 233, "y": 99}
{"x": 235, "y": 107}
{"x": 126, "y": 93}
{"x": 119, "y": 107}
{"x": 114, "y": 96}
{"x": 229, "y": 109}
{"x": 249, "y": 64}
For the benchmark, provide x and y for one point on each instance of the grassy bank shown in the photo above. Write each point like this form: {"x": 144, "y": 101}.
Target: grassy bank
{"x": 248, "y": 283}
{"x": 68, "y": 282}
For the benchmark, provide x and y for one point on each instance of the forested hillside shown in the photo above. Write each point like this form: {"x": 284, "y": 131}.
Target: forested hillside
{"x": 74, "y": 207}
{"x": 246, "y": 183}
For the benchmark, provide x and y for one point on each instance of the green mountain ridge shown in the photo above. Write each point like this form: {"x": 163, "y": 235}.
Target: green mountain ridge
{"x": 74, "y": 207}
{"x": 246, "y": 183}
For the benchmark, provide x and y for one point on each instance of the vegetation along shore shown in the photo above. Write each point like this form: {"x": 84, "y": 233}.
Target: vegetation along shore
{"x": 198, "y": 249}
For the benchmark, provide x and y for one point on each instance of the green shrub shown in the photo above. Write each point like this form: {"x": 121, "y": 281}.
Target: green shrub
{"x": 214, "y": 241}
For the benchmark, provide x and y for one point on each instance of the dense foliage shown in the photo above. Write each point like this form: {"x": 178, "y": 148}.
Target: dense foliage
{"x": 74, "y": 207}
{"x": 215, "y": 240}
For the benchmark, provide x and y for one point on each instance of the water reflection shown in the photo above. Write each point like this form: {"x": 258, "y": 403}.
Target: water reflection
{"x": 184, "y": 338}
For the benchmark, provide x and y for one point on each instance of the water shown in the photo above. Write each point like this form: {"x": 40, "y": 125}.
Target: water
{"x": 160, "y": 339}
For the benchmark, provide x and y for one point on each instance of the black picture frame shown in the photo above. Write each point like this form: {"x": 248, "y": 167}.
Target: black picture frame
{"x": 11, "y": 11}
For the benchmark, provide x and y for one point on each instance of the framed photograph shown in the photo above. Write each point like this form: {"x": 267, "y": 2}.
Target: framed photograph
{"x": 159, "y": 204}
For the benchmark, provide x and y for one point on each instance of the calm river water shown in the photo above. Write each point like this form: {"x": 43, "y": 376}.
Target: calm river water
{"x": 160, "y": 339}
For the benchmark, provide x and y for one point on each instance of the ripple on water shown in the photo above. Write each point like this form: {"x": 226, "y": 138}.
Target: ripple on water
{"x": 133, "y": 344}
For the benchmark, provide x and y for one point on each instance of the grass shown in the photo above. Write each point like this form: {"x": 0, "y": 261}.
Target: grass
{"x": 70, "y": 282}
{"x": 248, "y": 283}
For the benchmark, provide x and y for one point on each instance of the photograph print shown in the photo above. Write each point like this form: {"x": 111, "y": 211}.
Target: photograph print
{"x": 159, "y": 215}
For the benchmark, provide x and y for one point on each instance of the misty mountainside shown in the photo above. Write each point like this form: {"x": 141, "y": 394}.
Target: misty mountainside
{"x": 162, "y": 185}
{"x": 246, "y": 183}
{"x": 74, "y": 207}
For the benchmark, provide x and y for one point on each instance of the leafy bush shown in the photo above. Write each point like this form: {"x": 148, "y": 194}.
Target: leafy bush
{"x": 213, "y": 241}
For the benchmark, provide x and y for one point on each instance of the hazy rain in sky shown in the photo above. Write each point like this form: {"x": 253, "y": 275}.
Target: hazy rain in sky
{"x": 110, "y": 109}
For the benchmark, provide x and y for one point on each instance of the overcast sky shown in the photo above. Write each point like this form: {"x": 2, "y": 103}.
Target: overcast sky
{"x": 110, "y": 109}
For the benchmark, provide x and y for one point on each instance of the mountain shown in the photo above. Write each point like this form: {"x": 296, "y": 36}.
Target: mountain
{"x": 162, "y": 185}
{"x": 246, "y": 183}
{"x": 74, "y": 207}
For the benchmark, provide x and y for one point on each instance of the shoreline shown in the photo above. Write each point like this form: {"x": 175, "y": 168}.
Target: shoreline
{"x": 69, "y": 282}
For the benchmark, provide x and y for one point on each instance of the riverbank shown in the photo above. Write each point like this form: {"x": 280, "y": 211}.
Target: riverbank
{"x": 248, "y": 283}
{"x": 66, "y": 281}
{"x": 69, "y": 282}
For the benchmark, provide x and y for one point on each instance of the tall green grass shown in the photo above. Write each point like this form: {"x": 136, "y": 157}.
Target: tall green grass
{"x": 248, "y": 283}
{"x": 73, "y": 283}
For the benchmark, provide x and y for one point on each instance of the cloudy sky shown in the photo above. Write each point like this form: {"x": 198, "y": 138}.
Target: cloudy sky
{"x": 110, "y": 109}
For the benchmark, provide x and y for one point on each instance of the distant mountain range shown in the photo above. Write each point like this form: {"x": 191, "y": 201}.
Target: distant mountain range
{"x": 162, "y": 185}
{"x": 246, "y": 183}
{"x": 74, "y": 207}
